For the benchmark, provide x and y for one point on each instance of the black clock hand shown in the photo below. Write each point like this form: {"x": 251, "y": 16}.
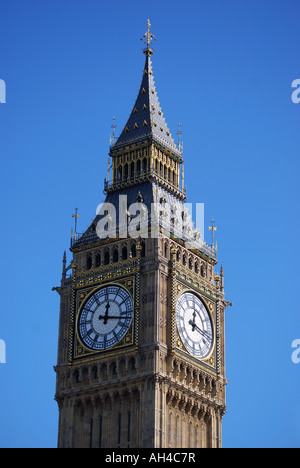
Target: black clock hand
{"x": 105, "y": 317}
{"x": 114, "y": 317}
{"x": 193, "y": 323}
{"x": 206, "y": 335}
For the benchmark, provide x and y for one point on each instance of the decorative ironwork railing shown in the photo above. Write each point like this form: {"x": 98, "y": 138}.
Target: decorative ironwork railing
{"x": 186, "y": 236}
{"x": 141, "y": 176}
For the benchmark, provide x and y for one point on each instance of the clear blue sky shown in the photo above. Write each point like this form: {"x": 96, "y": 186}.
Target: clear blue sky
{"x": 222, "y": 69}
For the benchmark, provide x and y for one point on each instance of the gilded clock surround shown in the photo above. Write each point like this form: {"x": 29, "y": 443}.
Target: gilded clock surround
{"x": 128, "y": 341}
{"x": 210, "y": 359}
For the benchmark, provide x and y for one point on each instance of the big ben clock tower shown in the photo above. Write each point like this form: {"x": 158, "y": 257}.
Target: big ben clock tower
{"x": 141, "y": 350}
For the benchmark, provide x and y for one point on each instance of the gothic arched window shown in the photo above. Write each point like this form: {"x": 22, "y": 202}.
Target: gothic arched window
{"x": 89, "y": 262}
{"x": 132, "y": 367}
{"x": 166, "y": 251}
{"x": 106, "y": 258}
{"x": 145, "y": 164}
{"x": 76, "y": 376}
{"x": 133, "y": 251}
{"x": 126, "y": 172}
{"x": 124, "y": 253}
{"x": 116, "y": 256}
{"x": 103, "y": 372}
{"x": 95, "y": 372}
{"x": 132, "y": 170}
{"x": 120, "y": 173}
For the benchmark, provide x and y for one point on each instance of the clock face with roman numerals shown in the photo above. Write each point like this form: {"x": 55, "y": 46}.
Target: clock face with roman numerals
{"x": 194, "y": 325}
{"x": 105, "y": 318}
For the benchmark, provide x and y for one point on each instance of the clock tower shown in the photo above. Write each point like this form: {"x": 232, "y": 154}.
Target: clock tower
{"x": 141, "y": 349}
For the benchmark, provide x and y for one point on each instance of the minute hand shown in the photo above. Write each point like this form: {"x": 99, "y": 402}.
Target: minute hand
{"x": 206, "y": 335}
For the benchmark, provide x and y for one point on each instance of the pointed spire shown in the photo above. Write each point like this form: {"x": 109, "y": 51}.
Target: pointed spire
{"x": 146, "y": 120}
{"x": 222, "y": 279}
{"x": 64, "y": 265}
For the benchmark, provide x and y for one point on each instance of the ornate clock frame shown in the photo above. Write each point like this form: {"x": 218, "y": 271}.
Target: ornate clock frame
{"x": 179, "y": 286}
{"x": 82, "y": 289}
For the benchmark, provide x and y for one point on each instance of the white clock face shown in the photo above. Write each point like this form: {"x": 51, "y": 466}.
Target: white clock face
{"x": 194, "y": 325}
{"x": 105, "y": 318}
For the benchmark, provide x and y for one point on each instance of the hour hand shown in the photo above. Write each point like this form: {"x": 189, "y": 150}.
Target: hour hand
{"x": 193, "y": 323}
{"x": 105, "y": 317}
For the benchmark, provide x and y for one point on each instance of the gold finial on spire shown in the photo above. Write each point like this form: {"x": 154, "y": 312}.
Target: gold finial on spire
{"x": 112, "y": 138}
{"x": 212, "y": 228}
{"x": 148, "y": 38}
{"x": 108, "y": 168}
{"x": 76, "y": 216}
{"x": 179, "y": 133}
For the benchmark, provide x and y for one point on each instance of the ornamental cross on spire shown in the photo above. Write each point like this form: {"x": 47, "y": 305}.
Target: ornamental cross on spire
{"x": 76, "y": 216}
{"x": 213, "y": 228}
{"x": 148, "y": 36}
{"x": 179, "y": 133}
{"x": 113, "y": 126}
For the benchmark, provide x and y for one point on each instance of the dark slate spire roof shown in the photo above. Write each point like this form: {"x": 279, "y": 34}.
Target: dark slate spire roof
{"x": 146, "y": 119}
